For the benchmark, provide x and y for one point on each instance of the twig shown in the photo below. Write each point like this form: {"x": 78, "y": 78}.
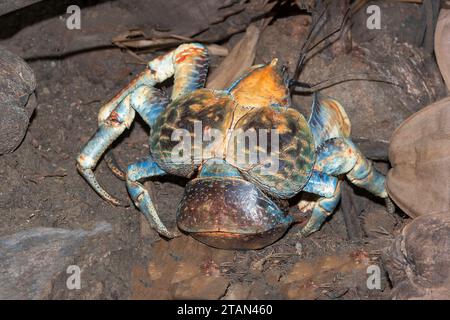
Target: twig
{"x": 35, "y": 178}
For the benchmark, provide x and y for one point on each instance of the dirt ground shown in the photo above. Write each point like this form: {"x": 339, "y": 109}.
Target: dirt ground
{"x": 119, "y": 256}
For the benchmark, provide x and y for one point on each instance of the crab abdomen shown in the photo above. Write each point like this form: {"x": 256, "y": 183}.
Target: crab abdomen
{"x": 230, "y": 213}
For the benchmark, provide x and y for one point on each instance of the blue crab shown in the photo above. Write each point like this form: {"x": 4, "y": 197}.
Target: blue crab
{"x": 226, "y": 204}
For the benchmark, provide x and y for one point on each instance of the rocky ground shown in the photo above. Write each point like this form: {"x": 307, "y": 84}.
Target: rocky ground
{"x": 50, "y": 218}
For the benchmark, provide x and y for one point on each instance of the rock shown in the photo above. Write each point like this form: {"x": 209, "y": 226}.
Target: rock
{"x": 17, "y": 100}
{"x": 12, "y": 5}
{"x": 208, "y": 21}
{"x": 396, "y": 17}
{"x": 418, "y": 262}
{"x": 31, "y": 259}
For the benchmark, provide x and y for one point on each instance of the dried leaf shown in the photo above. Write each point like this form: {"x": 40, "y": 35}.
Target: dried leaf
{"x": 442, "y": 44}
{"x": 217, "y": 50}
{"x": 240, "y": 58}
{"x": 419, "y": 153}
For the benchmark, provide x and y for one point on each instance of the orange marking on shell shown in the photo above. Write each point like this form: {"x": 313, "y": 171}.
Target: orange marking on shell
{"x": 196, "y": 107}
{"x": 262, "y": 87}
{"x": 282, "y": 128}
{"x": 181, "y": 56}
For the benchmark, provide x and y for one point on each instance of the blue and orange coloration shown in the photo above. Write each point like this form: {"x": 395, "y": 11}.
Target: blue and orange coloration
{"x": 229, "y": 205}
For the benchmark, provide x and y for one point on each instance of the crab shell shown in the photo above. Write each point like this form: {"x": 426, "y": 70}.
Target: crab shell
{"x": 230, "y": 206}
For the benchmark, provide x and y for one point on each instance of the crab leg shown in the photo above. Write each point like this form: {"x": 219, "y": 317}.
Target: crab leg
{"x": 144, "y": 169}
{"x": 108, "y": 131}
{"x": 339, "y": 156}
{"x": 322, "y": 209}
{"x": 148, "y": 102}
{"x": 189, "y": 65}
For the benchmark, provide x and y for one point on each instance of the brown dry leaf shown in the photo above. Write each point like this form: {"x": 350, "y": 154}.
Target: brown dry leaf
{"x": 308, "y": 278}
{"x": 240, "y": 58}
{"x": 136, "y": 39}
{"x": 419, "y": 181}
{"x": 217, "y": 50}
{"x": 181, "y": 268}
{"x": 442, "y": 44}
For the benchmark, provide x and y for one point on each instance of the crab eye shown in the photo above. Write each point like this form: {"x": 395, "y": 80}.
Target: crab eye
{"x": 285, "y": 74}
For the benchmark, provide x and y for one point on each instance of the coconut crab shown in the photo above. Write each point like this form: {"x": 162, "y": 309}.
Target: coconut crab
{"x": 227, "y": 203}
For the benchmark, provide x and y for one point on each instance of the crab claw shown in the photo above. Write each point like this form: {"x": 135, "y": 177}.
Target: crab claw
{"x": 89, "y": 176}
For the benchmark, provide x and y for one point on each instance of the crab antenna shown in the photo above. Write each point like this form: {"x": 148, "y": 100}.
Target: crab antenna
{"x": 304, "y": 49}
{"x": 311, "y": 88}
{"x": 339, "y": 29}
{"x": 296, "y": 86}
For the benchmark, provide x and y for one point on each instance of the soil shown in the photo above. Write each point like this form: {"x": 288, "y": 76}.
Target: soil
{"x": 127, "y": 260}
